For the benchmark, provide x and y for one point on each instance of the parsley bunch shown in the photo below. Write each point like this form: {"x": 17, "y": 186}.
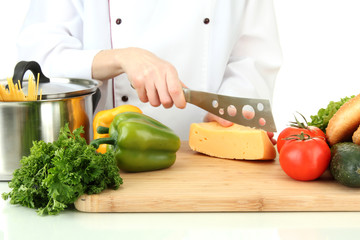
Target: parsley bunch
{"x": 55, "y": 174}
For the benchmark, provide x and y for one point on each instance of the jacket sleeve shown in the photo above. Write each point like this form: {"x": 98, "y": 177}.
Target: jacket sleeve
{"x": 256, "y": 57}
{"x": 52, "y": 35}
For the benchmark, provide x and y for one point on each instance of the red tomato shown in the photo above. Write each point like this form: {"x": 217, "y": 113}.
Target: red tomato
{"x": 305, "y": 160}
{"x": 312, "y": 131}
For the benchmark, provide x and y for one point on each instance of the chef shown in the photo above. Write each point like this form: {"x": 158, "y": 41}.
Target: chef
{"x": 144, "y": 51}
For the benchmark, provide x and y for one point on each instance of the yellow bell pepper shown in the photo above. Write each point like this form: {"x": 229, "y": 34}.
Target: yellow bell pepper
{"x": 104, "y": 119}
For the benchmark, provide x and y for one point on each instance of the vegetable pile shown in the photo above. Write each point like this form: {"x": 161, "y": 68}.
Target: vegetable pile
{"x": 332, "y": 142}
{"x": 55, "y": 174}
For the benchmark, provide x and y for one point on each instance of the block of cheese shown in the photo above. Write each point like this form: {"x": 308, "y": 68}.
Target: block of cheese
{"x": 235, "y": 142}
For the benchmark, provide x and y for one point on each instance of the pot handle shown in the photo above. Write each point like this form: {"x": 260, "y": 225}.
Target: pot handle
{"x": 34, "y": 67}
{"x": 96, "y": 98}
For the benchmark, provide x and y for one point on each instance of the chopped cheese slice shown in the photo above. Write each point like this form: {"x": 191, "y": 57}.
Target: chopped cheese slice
{"x": 235, "y": 142}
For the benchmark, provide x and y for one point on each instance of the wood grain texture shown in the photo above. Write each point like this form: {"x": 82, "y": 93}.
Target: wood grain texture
{"x": 199, "y": 183}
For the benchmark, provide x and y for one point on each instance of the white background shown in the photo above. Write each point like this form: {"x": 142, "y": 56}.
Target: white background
{"x": 321, "y": 48}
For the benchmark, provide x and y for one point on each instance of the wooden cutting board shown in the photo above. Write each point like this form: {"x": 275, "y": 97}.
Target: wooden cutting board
{"x": 199, "y": 183}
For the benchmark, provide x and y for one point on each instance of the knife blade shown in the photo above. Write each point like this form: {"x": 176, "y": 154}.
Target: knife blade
{"x": 250, "y": 112}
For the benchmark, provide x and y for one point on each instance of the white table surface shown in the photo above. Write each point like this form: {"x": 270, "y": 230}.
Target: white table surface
{"x": 18, "y": 222}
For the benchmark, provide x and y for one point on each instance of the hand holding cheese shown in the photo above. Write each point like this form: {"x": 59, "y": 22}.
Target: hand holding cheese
{"x": 234, "y": 142}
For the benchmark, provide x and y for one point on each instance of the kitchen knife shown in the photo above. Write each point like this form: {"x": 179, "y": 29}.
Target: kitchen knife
{"x": 244, "y": 111}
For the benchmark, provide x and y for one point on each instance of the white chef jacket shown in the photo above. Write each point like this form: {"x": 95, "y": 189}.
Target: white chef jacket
{"x": 229, "y": 47}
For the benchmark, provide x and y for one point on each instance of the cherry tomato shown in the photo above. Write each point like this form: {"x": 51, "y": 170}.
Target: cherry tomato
{"x": 289, "y": 131}
{"x": 305, "y": 159}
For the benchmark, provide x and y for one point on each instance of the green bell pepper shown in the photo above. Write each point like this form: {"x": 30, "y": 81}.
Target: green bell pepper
{"x": 140, "y": 142}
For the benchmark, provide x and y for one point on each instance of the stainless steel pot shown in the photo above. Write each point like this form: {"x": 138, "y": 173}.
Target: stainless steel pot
{"x": 64, "y": 100}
